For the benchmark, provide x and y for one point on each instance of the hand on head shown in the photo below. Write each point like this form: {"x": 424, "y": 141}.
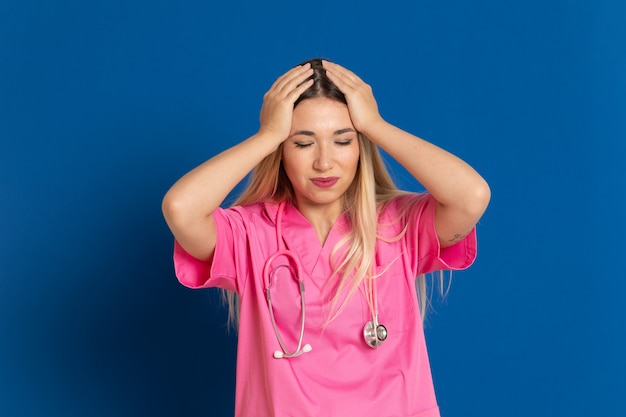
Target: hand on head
{"x": 361, "y": 102}
{"x": 278, "y": 102}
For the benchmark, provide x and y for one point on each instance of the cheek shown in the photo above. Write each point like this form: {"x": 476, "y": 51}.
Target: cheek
{"x": 292, "y": 165}
{"x": 352, "y": 159}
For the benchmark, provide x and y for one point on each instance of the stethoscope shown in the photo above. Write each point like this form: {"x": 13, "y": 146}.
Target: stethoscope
{"x": 374, "y": 333}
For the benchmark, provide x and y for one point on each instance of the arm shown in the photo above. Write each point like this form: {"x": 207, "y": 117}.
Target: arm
{"x": 189, "y": 204}
{"x": 462, "y": 194}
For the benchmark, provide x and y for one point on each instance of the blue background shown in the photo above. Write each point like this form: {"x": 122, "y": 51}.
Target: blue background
{"x": 104, "y": 104}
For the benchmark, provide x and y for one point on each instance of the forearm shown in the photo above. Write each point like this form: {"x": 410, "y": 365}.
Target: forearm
{"x": 448, "y": 178}
{"x": 188, "y": 206}
{"x": 199, "y": 192}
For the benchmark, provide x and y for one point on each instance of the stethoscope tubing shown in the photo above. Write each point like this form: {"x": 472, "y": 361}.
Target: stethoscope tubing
{"x": 374, "y": 333}
{"x": 268, "y": 274}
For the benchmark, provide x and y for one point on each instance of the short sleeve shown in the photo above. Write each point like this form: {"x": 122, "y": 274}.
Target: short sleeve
{"x": 190, "y": 271}
{"x": 222, "y": 270}
{"x": 423, "y": 241}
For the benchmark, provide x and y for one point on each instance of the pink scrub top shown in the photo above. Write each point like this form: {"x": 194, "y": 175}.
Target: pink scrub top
{"x": 341, "y": 375}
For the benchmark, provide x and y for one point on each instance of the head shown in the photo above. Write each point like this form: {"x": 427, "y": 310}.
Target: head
{"x": 270, "y": 181}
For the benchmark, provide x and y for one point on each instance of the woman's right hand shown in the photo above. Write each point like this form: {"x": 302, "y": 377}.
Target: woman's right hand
{"x": 277, "y": 109}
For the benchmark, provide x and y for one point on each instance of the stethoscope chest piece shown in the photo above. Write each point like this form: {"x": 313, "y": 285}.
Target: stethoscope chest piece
{"x": 374, "y": 333}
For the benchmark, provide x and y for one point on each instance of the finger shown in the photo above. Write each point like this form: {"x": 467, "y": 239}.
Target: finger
{"x": 294, "y": 84}
{"x": 341, "y": 73}
{"x": 300, "y": 88}
{"x": 345, "y": 84}
{"x": 334, "y": 67}
{"x": 291, "y": 72}
{"x": 295, "y": 75}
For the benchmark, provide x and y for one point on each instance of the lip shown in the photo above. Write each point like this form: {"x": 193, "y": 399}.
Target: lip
{"x": 326, "y": 182}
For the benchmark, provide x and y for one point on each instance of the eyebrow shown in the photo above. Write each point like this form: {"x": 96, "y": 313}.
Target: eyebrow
{"x": 337, "y": 132}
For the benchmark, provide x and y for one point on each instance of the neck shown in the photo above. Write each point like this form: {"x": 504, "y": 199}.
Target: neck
{"x": 321, "y": 217}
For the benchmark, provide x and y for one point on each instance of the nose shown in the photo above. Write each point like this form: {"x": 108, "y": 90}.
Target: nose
{"x": 323, "y": 158}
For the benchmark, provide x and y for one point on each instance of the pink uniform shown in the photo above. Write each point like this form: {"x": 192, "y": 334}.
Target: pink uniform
{"x": 341, "y": 375}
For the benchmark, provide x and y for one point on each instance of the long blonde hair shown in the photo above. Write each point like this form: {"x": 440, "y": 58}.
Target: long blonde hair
{"x": 353, "y": 257}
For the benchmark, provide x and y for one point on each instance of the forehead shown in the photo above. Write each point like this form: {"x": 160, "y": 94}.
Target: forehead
{"x": 321, "y": 112}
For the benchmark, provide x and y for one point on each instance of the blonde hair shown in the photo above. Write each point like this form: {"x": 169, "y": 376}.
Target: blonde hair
{"x": 353, "y": 257}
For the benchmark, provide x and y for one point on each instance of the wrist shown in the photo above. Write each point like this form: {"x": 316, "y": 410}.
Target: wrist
{"x": 375, "y": 129}
{"x": 267, "y": 140}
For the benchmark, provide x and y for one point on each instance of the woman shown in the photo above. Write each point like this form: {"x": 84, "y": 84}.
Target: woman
{"x": 321, "y": 213}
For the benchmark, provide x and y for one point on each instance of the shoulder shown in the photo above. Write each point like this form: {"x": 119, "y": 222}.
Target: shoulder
{"x": 406, "y": 213}
{"x": 262, "y": 213}
{"x": 405, "y": 205}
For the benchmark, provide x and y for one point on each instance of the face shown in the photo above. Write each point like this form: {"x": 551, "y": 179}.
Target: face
{"x": 321, "y": 154}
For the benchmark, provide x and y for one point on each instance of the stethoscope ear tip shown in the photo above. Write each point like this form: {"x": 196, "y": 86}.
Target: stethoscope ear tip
{"x": 279, "y": 355}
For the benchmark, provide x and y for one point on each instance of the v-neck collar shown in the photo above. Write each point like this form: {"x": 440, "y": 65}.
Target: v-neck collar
{"x": 301, "y": 238}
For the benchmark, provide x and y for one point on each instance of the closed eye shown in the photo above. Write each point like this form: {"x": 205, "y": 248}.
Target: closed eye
{"x": 344, "y": 142}
{"x": 302, "y": 144}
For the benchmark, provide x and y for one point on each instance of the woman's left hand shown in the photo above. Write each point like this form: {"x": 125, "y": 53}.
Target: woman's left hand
{"x": 361, "y": 102}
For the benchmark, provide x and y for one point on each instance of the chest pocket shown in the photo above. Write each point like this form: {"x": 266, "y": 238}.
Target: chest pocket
{"x": 397, "y": 299}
